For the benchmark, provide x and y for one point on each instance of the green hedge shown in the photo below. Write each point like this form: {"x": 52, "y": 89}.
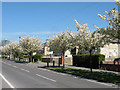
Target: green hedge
{"x": 39, "y": 56}
{"x": 26, "y": 56}
{"x": 3, "y": 57}
{"x": 84, "y": 60}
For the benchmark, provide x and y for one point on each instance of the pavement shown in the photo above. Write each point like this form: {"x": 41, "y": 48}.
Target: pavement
{"x": 30, "y": 76}
{"x": 74, "y": 67}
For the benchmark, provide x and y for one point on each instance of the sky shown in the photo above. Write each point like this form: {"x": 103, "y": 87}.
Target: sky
{"x": 46, "y": 18}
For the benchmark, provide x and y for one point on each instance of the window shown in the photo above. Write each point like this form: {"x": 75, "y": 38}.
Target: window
{"x": 110, "y": 53}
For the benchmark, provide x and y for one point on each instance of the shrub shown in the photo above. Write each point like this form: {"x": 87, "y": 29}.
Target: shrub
{"x": 111, "y": 67}
{"x": 3, "y": 57}
{"x": 39, "y": 56}
{"x": 26, "y": 56}
{"x": 84, "y": 60}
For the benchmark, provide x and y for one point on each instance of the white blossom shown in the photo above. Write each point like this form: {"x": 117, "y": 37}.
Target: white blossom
{"x": 112, "y": 32}
{"x": 30, "y": 44}
{"x": 87, "y": 40}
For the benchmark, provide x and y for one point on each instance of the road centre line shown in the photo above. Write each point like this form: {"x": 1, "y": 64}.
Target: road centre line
{"x": 6, "y": 81}
{"x": 42, "y": 69}
{"x": 3, "y": 62}
{"x": 25, "y": 70}
{"x": 46, "y": 78}
{"x": 15, "y": 66}
{"x": 9, "y": 64}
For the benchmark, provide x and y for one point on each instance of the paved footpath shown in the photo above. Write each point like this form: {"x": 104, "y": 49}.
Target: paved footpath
{"x": 74, "y": 67}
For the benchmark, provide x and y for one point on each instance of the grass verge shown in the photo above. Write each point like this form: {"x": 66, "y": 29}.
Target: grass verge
{"x": 17, "y": 61}
{"x": 99, "y": 76}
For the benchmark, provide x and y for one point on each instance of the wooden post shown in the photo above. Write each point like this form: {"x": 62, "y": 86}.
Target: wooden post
{"x": 62, "y": 60}
{"x": 47, "y": 63}
{"x": 59, "y": 63}
{"x": 53, "y": 63}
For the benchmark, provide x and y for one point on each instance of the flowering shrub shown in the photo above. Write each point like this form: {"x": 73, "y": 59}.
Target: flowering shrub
{"x": 111, "y": 67}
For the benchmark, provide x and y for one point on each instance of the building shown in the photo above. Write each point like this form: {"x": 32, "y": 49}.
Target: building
{"x": 4, "y": 42}
{"x": 110, "y": 51}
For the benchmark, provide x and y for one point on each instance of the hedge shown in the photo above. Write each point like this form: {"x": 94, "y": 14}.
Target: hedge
{"x": 26, "y": 56}
{"x": 84, "y": 60}
{"x": 39, "y": 56}
{"x": 3, "y": 57}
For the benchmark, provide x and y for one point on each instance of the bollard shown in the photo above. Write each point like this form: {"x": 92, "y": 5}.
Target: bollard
{"x": 58, "y": 63}
{"x": 53, "y": 63}
{"x": 47, "y": 64}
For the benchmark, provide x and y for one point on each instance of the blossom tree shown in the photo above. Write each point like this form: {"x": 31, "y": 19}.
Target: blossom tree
{"x": 30, "y": 45}
{"x": 113, "y": 30}
{"x": 2, "y": 50}
{"x": 60, "y": 42}
{"x": 89, "y": 41}
{"x": 16, "y": 49}
{"x": 5, "y": 50}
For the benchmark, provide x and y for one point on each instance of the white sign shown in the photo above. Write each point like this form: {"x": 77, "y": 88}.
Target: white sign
{"x": 34, "y": 53}
{"x": 51, "y": 52}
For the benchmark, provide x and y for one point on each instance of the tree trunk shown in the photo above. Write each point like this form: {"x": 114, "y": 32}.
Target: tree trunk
{"x": 19, "y": 58}
{"x": 63, "y": 54}
{"x": 90, "y": 61}
{"x": 14, "y": 57}
{"x": 30, "y": 59}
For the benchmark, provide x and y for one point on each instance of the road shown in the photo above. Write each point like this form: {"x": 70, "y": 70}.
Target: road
{"x": 25, "y": 76}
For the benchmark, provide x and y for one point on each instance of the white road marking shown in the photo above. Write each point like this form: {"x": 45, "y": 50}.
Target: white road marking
{"x": 99, "y": 82}
{"x": 20, "y": 64}
{"x": 42, "y": 69}
{"x": 9, "y": 64}
{"x": 62, "y": 74}
{"x": 58, "y": 73}
{"x": 15, "y": 66}
{"x": 46, "y": 78}
{"x": 3, "y": 62}
{"x": 75, "y": 77}
{"x": 25, "y": 70}
{"x": 7, "y": 81}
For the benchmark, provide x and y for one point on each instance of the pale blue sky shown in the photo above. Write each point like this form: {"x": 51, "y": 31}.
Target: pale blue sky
{"x": 45, "y": 18}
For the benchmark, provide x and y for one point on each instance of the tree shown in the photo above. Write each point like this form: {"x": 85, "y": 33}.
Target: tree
{"x": 60, "y": 43}
{"x": 113, "y": 30}
{"x": 5, "y": 50}
{"x": 89, "y": 41}
{"x": 16, "y": 49}
{"x": 30, "y": 45}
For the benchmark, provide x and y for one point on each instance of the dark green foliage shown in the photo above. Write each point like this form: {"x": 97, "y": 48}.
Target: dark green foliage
{"x": 3, "y": 57}
{"x": 39, "y": 56}
{"x": 84, "y": 60}
{"x": 18, "y": 55}
{"x": 26, "y": 56}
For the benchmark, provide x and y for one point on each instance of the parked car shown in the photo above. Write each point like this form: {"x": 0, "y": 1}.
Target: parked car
{"x": 116, "y": 60}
